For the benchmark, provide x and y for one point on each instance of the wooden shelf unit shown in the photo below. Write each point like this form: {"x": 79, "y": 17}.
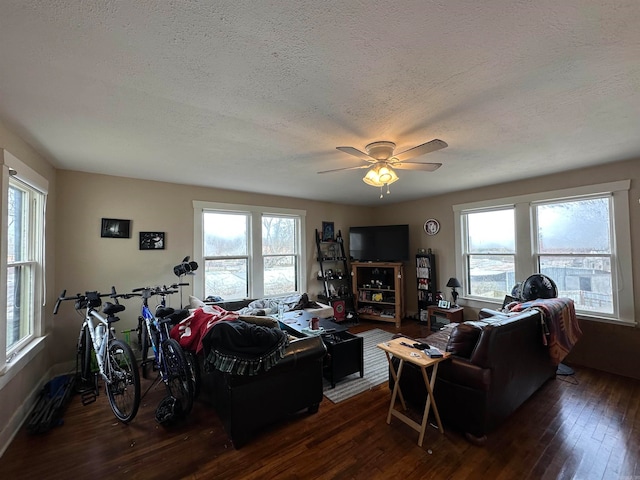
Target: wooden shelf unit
{"x": 378, "y": 290}
{"x": 426, "y": 283}
{"x": 334, "y": 275}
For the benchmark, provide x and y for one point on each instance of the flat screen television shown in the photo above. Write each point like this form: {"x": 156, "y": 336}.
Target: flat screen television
{"x": 385, "y": 243}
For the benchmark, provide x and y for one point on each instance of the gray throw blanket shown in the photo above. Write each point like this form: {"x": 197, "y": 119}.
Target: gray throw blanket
{"x": 243, "y": 348}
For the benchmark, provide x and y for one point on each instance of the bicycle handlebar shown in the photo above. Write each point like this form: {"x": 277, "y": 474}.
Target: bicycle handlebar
{"x": 60, "y": 298}
{"x": 150, "y": 291}
{"x": 79, "y": 296}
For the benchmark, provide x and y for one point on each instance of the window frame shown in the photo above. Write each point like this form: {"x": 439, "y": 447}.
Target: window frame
{"x": 527, "y": 255}
{"x": 13, "y": 170}
{"x": 256, "y": 257}
{"x": 468, "y": 253}
{"x": 295, "y": 254}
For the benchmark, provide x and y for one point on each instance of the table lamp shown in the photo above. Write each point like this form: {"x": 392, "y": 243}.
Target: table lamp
{"x": 454, "y": 283}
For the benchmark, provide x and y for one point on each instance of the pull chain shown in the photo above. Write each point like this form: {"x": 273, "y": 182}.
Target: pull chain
{"x": 381, "y": 191}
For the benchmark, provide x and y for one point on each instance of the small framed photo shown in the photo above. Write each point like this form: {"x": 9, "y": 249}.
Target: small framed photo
{"x": 327, "y": 232}
{"x": 444, "y": 304}
{"x": 115, "y": 228}
{"x": 151, "y": 240}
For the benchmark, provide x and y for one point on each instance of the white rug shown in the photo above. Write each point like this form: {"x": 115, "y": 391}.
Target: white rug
{"x": 376, "y": 369}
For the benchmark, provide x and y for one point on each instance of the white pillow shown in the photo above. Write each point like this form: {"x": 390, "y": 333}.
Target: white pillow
{"x": 195, "y": 302}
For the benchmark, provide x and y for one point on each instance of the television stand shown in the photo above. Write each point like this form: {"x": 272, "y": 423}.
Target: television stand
{"x": 378, "y": 290}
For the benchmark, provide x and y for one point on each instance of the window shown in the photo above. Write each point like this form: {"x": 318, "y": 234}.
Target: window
{"x": 279, "y": 253}
{"x": 574, "y": 248}
{"x": 23, "y": 223}
{"x": 578, "y": 237}
{"x": 248, "y": 252}
{"x": 226, "y": 254}
{"x": 490, "y": 252}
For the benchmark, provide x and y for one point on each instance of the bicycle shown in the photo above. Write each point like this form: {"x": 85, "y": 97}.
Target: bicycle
{"x": 115, "y": 360}
{"x": 174, "y": 316}
{"x": 168, "y": 357}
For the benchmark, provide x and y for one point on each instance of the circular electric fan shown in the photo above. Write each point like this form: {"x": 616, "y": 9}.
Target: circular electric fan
{"x": 538, "y": 286}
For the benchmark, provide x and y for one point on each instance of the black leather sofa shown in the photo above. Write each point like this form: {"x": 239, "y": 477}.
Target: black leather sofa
{"x": 497, "y": 363}
{"x": 247, "y": 404}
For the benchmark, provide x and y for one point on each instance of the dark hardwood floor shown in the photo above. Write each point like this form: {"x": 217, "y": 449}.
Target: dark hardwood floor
{"x": 585, "y": 426}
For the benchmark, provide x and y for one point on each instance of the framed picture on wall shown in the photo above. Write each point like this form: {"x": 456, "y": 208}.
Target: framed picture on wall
{"x": 115, "y": 228}
{"x": 151, "y": 240}
{"x": 327, "y": 232}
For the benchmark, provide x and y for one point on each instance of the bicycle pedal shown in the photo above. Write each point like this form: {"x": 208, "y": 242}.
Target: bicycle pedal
{"x": 87, "y": 397}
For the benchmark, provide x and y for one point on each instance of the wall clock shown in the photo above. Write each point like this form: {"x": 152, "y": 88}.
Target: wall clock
{"x": 431, "y": 226}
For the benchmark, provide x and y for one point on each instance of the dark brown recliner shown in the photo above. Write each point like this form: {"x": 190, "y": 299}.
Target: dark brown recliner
{"x": 497, "y": 363}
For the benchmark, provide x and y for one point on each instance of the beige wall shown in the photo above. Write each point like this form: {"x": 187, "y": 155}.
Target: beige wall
{"x": 18, "y": 391}
{"x": 622, "y": 342}
{"x": 87, "y": 262}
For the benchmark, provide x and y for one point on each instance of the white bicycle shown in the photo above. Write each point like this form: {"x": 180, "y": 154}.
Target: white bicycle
{"x": 115, "y": 360}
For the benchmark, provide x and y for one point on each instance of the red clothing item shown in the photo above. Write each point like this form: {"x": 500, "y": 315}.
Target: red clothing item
{"x": 190, "y": 331}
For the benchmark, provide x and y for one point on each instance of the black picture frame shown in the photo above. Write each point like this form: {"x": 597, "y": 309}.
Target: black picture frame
{"x": 152, "y": 241}
{"x": 444, "y": 304}
{"x": 115, "y": 228}
{"x": 327, "y": 232}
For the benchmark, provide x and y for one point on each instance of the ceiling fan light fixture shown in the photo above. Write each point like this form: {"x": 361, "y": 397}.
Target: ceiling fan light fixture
{"x": 380, "y": 175}
{"x": 380, "y": 161}
{"x": 386, "y": 175}
{"x": 371, "y": 178}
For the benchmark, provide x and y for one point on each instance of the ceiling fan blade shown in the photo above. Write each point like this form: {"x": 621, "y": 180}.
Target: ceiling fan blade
{"x": 357, "y": 153}
{"x": 427, "y": 167}
{"x": 346, "y": 168}
{"x": 423, "y": 149}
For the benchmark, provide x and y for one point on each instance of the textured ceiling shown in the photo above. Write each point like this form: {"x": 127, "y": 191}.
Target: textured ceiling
{"x": 256, "y": 96}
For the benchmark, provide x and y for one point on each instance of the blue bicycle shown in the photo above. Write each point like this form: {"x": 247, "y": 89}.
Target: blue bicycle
{"x": 168, "y": 357}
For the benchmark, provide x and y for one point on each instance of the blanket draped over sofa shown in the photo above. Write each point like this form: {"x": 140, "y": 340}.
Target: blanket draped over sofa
{"x": 243, "y": 348}
{"x": 190, "y": 331}
{"x": 562, "y": 328}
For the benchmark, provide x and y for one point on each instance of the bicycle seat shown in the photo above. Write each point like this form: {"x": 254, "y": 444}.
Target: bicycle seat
{"x": 174, "y": 317}
{"x": 112, "y": 308}
{"x": 163, "y": 312}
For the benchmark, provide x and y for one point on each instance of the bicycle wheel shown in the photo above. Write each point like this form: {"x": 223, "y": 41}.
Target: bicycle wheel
{"x": 83, "y": 359}
{"x": 177, "y": 376}
{"x": 194, "y": 370}
{"x": 123, "y": 390}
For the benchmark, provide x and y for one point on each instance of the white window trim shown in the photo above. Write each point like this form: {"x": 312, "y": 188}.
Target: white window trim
{"x": 256, "y": 212}
{"x": 526, "y": 263}
{"x": 28, "y": 351}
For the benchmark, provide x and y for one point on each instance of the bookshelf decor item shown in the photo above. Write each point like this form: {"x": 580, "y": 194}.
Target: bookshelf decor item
{"x": 327, "y": 232}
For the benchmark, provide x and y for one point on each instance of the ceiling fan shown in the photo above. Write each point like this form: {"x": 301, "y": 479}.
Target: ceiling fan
{"x": 381, "y": 161}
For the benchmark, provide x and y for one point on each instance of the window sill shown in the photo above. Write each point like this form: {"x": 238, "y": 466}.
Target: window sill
{"x": 611, "y": 321}
{"x": 28, "y": 353}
